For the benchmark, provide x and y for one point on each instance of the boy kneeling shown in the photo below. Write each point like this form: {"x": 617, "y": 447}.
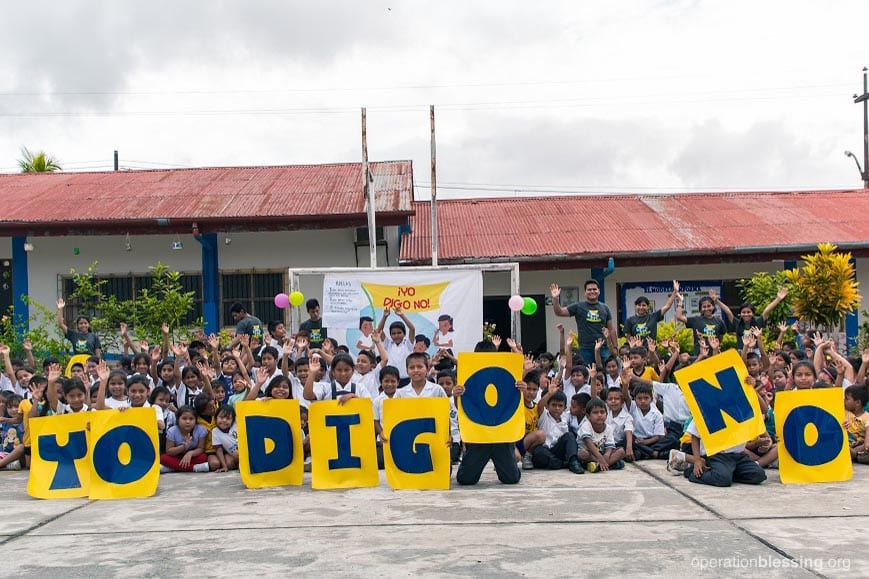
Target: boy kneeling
{"x": 722, "y": 469}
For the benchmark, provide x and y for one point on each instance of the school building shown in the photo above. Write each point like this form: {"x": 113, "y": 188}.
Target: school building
{"x": 232, "y": 231}
{"x": 235, "y": 231}
{"x": 637, "y": 244}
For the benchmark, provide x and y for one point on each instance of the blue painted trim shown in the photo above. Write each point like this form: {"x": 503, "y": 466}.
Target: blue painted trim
{"x": 598, "y": 275}
{"x": 402, "y": 229}
{"x": 210, "y": 282}
{"x": 852, "y": 327}
{"x": 20, "y": 286}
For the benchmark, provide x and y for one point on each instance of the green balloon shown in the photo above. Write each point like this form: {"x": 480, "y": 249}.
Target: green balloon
{"x": 529, "y": 307}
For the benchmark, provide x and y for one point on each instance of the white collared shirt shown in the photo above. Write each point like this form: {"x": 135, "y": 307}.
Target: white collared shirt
{"x": 429, "y": 390}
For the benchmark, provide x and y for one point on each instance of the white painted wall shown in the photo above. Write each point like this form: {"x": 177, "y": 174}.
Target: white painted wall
{"x": 53, "y": 257}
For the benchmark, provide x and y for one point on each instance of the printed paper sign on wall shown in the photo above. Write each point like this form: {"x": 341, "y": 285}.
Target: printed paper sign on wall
{"x": 343, "y": 449}
{"x": 60, "y": 462}
{"x": 813, "y": 446}
{"x": 724, "y": 407}
{"x": 124, "y": 449}
{"x": 416, "y": 454}
{"x": 491, "y": 408}
{"x": 270, "y": 443}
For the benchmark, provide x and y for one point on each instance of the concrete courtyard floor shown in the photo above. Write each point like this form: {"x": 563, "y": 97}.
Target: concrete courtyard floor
{"x": 641, "y": 521}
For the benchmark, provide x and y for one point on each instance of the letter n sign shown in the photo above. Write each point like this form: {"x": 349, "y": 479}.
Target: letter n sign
{"x": 725, "y": 408}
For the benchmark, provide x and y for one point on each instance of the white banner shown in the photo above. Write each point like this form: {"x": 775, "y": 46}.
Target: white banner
{"x": 424, "y": 296}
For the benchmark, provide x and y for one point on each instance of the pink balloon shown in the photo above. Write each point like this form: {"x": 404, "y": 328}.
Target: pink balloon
{"x": 516, "y": 303}
{"x": 282, "y": 301}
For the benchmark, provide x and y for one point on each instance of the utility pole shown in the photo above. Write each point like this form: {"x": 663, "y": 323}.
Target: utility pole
{"x": 864, "y": 98}
{"x": 434, "y": 193}
{"x": 369, "y": 197}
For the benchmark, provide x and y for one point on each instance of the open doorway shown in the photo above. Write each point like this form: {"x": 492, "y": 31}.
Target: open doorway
{"x": 496, "y": 311}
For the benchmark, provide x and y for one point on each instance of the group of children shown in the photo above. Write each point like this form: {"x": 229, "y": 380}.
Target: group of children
{"x": 582, "y": 415}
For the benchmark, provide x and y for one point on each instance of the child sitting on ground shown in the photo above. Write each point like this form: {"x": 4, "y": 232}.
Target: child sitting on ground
{"x": 599, "y": 450}
{"x": 856, "y": 422}
{"x": 559, "y": 448}
{"x": 648, "y": 421}
{"x": 621, "y": 422}
{"x": 578, "y": 403}
{"x": 224, "y": 439}
{"x": 648, "y": 425}
{"x": 11, "y": 433}
{"x": 530, "y": 387}
{"x": 763, "y": 449}
{"x": 185, "y": 444}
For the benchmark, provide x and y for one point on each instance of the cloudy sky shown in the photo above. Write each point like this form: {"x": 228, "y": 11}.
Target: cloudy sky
{"x": 531, "y": 97}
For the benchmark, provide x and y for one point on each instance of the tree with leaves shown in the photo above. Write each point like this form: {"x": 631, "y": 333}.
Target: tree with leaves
{"x": 38, "y": 162}
{"x": 165, "y": 302}
{"x": 825, "y": 288}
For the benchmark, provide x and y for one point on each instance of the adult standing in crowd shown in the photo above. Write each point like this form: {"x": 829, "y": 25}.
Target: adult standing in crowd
{"x": 246, "y": 323}
{"x": 644, "y": 324}
{"x": 314, "y": 324}
{"x": 592, "y": 316}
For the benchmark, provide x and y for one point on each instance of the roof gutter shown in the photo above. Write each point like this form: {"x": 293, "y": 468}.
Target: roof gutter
{"x": 161, "y": 225}
{"x": 747, "y": 250}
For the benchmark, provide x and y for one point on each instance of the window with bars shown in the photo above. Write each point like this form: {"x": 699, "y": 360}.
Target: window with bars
{"x": 256, "y": 291}
{"x": 126, "y": 287}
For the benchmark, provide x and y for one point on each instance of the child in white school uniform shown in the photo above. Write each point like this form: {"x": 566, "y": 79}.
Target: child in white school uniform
{"x": 598, "y": 451}
{"x": 621, "y": 422}
{"x": 398, "y": 346}
{"x": 560, "y": 445}
{"x": 368, "y": 368}
{"x": 419, "y": 386}
{"x": 721, "y": 469}
{"x": 389, "y": 385}
{"x": 341, "y": 387}
{"x": 648, "y": 421}
{"x": 224, "y": 439}
{"x": 447, "y": 381}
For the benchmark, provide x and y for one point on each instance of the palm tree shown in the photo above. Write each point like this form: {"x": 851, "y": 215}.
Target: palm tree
{"x": 38, "y": 162}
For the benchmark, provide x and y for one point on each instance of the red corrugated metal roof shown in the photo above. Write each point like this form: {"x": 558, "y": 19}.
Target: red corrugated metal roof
{"x": 586, "y": 227}
{"x": 281, "y": 195}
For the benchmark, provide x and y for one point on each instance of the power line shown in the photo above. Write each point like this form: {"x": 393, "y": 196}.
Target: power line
{"x": 160, "y": 163}
{"x": 399, "y": 108}
{"x": 522, "y": 190}
{"x": 534, "y": 83}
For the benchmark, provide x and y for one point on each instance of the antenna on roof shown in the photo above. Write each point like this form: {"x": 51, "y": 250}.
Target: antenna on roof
{"x": 434, "y": 193}
{"x": 368, "y": 194}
